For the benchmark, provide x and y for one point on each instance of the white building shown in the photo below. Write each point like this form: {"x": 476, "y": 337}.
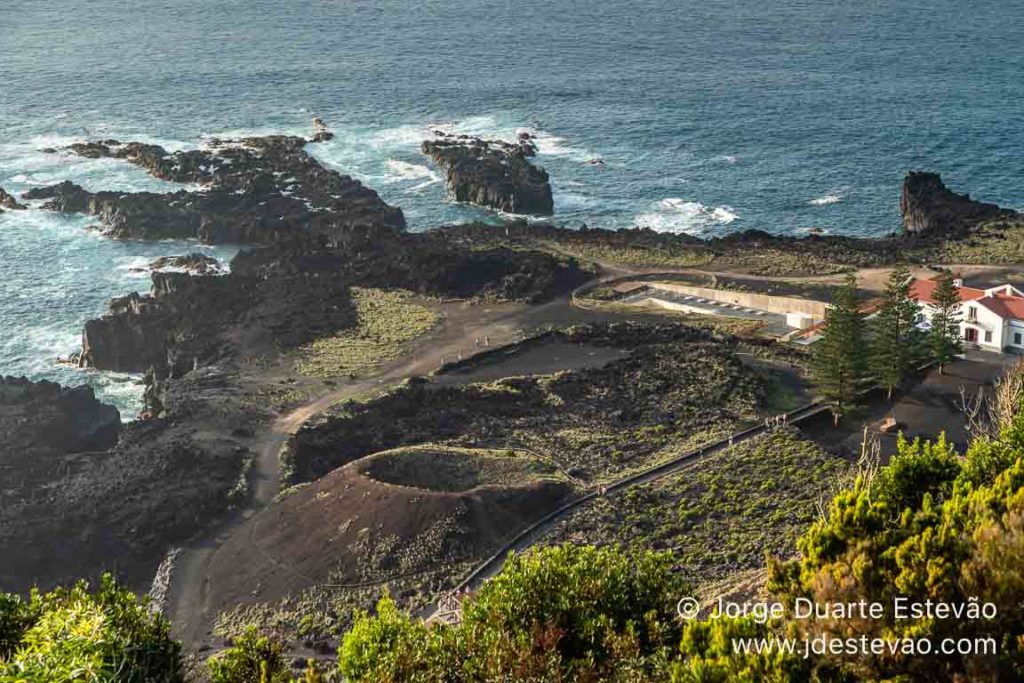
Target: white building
{"x": 992, "y": 319}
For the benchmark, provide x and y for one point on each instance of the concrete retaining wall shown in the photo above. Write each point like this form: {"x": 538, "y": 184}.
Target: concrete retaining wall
{"x": 761, "y": 302}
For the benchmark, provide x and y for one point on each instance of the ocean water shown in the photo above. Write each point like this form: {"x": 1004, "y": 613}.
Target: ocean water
{"x": 710, "y": 116}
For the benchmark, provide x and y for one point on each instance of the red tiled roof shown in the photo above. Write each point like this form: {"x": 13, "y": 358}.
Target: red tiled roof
{"x": 923, "y": 290}
{"x": 870, "y": 306}
{"x": 1005, "y": 305}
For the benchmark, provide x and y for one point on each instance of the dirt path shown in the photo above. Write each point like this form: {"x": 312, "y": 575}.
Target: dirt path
{"x": 463, "y": 326}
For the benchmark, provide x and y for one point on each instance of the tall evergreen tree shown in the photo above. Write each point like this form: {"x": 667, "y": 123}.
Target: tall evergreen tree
{"x": 944, "y": 338}
{"x": 840, "y": 356}
{"x": 898, "y": 343}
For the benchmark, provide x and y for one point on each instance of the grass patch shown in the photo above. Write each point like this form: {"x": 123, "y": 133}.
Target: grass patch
{"x": 1001, "y": 242}
{"x": 668, "y": 255}
{"x": 387, "y": 320}
{"x": 721, "y": 514}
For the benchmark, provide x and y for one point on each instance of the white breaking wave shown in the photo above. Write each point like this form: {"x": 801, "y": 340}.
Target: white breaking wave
{"x": 567, "y": 202}
{"x": 826, "y": 200}
{"x": 403, "y": 170}
{"x": 681, "y": 216}
{"x": 137, "y": 267}
{"x": 25, "y": 164}
{"x": 813, "y": 230}
{"x": 486, "y": 127}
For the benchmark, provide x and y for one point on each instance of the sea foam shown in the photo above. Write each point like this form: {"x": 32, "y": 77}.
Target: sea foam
{"x": 681, "y": 216}
{"x": 826, "y": 200}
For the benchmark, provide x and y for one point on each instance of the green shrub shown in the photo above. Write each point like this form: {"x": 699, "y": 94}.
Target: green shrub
{"x": 253, "y": 657}
{"x": 925, "y": 528}
{"x": 562, "y": 613}
{"x": 16, "y": 617}
{"x": 74, "y": 635}
{"x": 708, "y": 655}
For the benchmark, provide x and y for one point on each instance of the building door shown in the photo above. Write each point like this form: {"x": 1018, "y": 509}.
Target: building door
{"x": 971, "y": 335}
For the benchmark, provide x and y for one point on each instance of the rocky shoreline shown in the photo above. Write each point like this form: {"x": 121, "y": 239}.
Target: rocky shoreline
{"x": 927, "y": 206}
{"x": 83, "y": 493}
{"x": 938, "y": 222}
{"x": 311, "y": 234}
{"x": 254, "y": 190}
{"x": 7, "y": 201}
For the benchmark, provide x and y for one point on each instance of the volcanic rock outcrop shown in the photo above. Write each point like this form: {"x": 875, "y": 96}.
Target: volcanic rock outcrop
{"x": 186, "y": 321}
{"x": 493, "y": 173}
{"x": 195, "y": 264}
{"x": 80, "y": 493}
{"x": 928, "y": 207}
{"x": 284, "y": 295}
{"x": 7, "y": 201}
{"x": 46, "y": 416}
{"x": 254, "y": 190}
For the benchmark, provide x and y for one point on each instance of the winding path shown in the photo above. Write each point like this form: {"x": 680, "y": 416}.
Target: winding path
{"x": 188, "y": 599}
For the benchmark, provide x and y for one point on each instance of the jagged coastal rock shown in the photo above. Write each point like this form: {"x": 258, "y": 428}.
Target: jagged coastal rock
{"x": 44, "y": 415}
{"x": 7, "y": 201}
{"x": 254, "y": 190}
{"x": 928, "y": 207}
{"x": 194, "y": 264}
{"x": 493, "y": 173}
{"x": 283, "y": 295}
{"x": 84, "y": 493}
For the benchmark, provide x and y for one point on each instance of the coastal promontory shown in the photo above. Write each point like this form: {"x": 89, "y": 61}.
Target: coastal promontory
{"x": 493, "y": 173}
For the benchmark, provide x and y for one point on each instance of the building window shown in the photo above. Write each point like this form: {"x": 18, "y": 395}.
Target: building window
{"x": 972, "y": 312}
{"x": 988, "y": 336}
{"x": 1016, "y": 338}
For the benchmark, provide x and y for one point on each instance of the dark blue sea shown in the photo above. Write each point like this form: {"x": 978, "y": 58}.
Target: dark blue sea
{"x": 710, "y": 116}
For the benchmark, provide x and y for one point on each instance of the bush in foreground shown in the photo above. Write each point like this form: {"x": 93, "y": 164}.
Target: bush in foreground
{"x": 562, "y": 613}
{"x": 72, "y": 634}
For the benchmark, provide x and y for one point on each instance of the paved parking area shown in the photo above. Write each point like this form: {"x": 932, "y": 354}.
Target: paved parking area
{"x": 775, "y": 323}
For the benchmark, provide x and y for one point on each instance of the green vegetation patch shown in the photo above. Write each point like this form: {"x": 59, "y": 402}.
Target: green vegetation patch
{"x": 387, "y": 320}
{"x": 993, "y": 243}
{"x": 668, "y": 255}
{"x": 456, "y": 469}
{"x": 679, "y": 385}
{"x": 558, "y": 614}
{"x": 72, "y": 634}
{"x": 721, "y": 514}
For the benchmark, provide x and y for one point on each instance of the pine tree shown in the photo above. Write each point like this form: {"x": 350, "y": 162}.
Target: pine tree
{"x": 898, "y": 343}
{"x": 840, "y": 358}
{"x": 944, "y": 338}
